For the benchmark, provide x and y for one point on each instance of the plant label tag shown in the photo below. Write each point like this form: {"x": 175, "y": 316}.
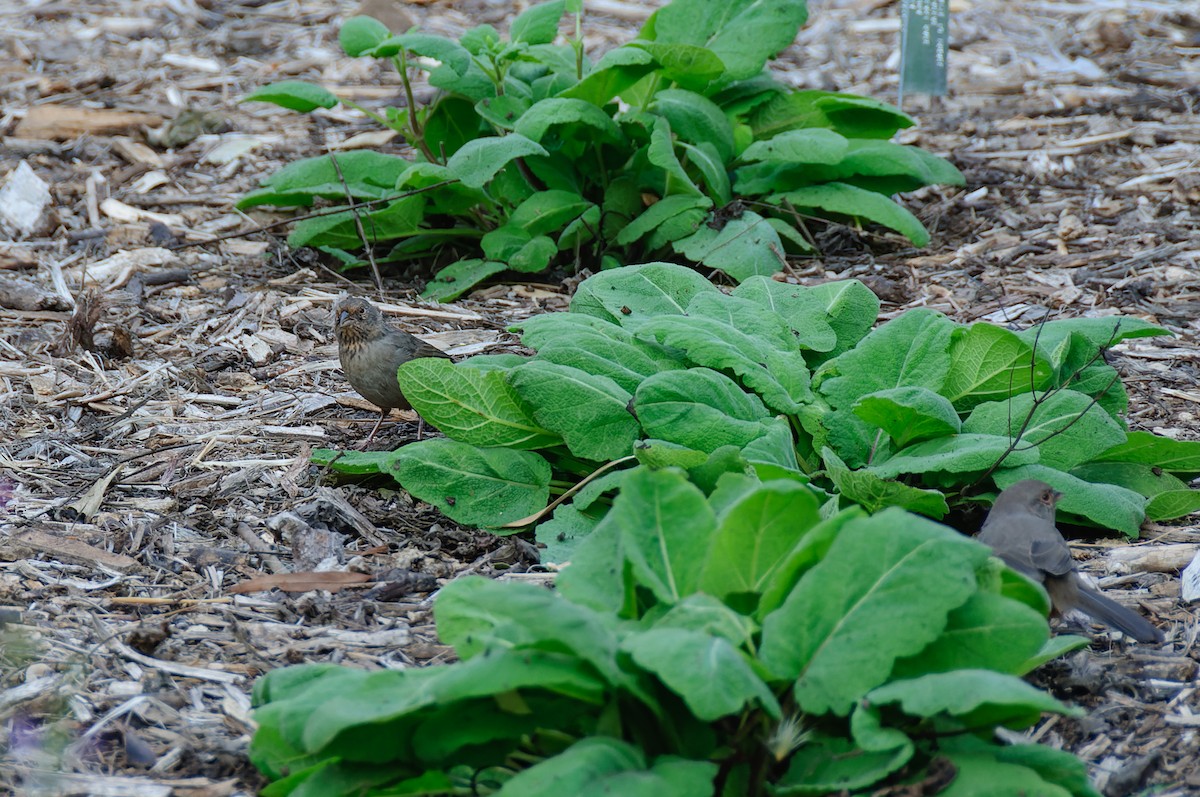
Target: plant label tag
{"x": 924, "y": 44}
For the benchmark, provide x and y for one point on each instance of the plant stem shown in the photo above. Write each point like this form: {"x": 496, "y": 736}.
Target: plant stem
{"x": 418, "y": 133}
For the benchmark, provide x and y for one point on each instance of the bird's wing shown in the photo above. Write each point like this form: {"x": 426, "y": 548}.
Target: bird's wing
{"x": 428, "y": 350}
{"x": 1007, "y": 538}
{"x": 1051, "y": 555}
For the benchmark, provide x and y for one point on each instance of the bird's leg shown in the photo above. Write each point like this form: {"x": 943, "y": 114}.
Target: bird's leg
{"x": 363, "y": 445}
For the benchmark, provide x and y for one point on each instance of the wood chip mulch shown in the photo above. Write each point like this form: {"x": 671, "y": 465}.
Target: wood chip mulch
{"x": 159, "y": 405}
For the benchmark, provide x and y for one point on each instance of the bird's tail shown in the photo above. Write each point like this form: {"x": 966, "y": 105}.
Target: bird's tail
{"x": 1117, "y": 616}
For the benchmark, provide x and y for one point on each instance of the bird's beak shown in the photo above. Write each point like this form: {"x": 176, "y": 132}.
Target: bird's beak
{"x": 1055, "y": 496}
{"x": 341, "y": 318}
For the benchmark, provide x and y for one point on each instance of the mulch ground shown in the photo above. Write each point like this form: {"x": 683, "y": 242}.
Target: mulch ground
{"x": 158, "y": 406}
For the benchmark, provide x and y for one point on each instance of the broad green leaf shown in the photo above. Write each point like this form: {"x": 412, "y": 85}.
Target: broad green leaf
{"x": 474, "y": 85}
{"x": 558, "y": 537}
{"x": 637, "y": 292}
{"x": 502, "y": 112}
{"x": 553, "y": 112}
{"x": 886, "y": 167}
{"x": 682, "y": 210}
{"x": 982, "y": 774}
{"x": 1097, "y": 379}
{"x": 1102, "y": 332}
{"x": 743, "y": 33}
{"x": 295, "y": 95}
{"x": 850, "y": 308}
{"x": 666, "y": 528}
{"x": 979, "y": 698}
{"x": 1056, "y": 766}
{"x": 1144, "y": 479}
{"x": 626, "y": 363}
{"x": 774, "y": 447}
{"x": 598, "y": 765}
{"x": 1171, "y": 504}
{"x": 615, "y": 72}
{"x": 706, "y": 672}
{"x": 457, "y": 278}
{"x": 346, "y": 230}
{"x": 534, "y": 256}
{"x": 827, "y": 764}
{"x": 472, "y": 406}
{"x": 441, "y": 189}
{"x": 808, "y": 552}
{"x": 874, "y": 493}
{"x": 911, "y": 350}
{"x": 474, "y": 486}
{"x": 547, "y": 211}
{"x": 699, "y": 408}
{"x": 361, "y": 174}
{"x": 791, "y": 235}
{"x": 755, "y": 535}
{"x": 504, "y": 242}
{"x": 581, "y": 230}
{"x": 442, "y": 739}
{"x": 589, "y": 412}
{"x": 714, "y": 344}
{"x": 799, "y": 307}
{"x": 480, "y": 39}
{"x": 663, "y": 454}
{"x": 1066, "y": 427}
{"x": 744, "y": 247}
{"x": 960, "y": 453}
{"x": 854, "y": 440}
{"x": 989, "y": 363}
{"x": 1055, "y": 648}
{"x": 476, "y": 614}
{"x": 560, "y": 60}
{"x": 661, "y": 153}
{"x": 1175, "y": 456}
{"x": 816, "y": 145}
{"x": 704, "y": 159}
{"x": 1106, "y": 505}
{"x": 696, "y": 119}
{"x": 989, "y": 632}
{"x": 597, "y": 575}
{"x": 849, "y": 114}
{"x": 479, "y": 160}
{"x": 542, "y": 330}
{"x": 691, "y": 67}
{"x": 843, "y": 199}
{"x": 439, "y": 48}
{"x": 747, "y": 316}
{"x": 358, "y": 463}
{"x": 359, "y": 34}
{"x": 450, "y": 125}
{"x": 537, "y": 24}
{"x": 704, "y": 613}
{"x": 908, "y": 414}
{"x": 882, "y": 591}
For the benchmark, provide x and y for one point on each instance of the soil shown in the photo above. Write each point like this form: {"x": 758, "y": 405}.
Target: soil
{"x": 159, "y": 406}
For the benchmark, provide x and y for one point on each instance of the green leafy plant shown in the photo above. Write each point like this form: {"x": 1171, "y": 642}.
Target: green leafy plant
{"x": 654, "y": 366}
{"x": 745, "y": 640}
{"x": 677, "y": 145}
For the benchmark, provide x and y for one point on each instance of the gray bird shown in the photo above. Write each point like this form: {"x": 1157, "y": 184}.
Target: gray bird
{"x": 1020, "y": 530}
{"x": 370, "y": 352}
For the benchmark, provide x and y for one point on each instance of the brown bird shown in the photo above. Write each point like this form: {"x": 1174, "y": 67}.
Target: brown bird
{"x": 1020, "y": 530}
{"x": 371, "y": 351}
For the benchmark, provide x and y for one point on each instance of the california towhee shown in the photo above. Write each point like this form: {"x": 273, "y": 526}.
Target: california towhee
{"x": 371, "y": 351}
{"x": 1020, "y": 530}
